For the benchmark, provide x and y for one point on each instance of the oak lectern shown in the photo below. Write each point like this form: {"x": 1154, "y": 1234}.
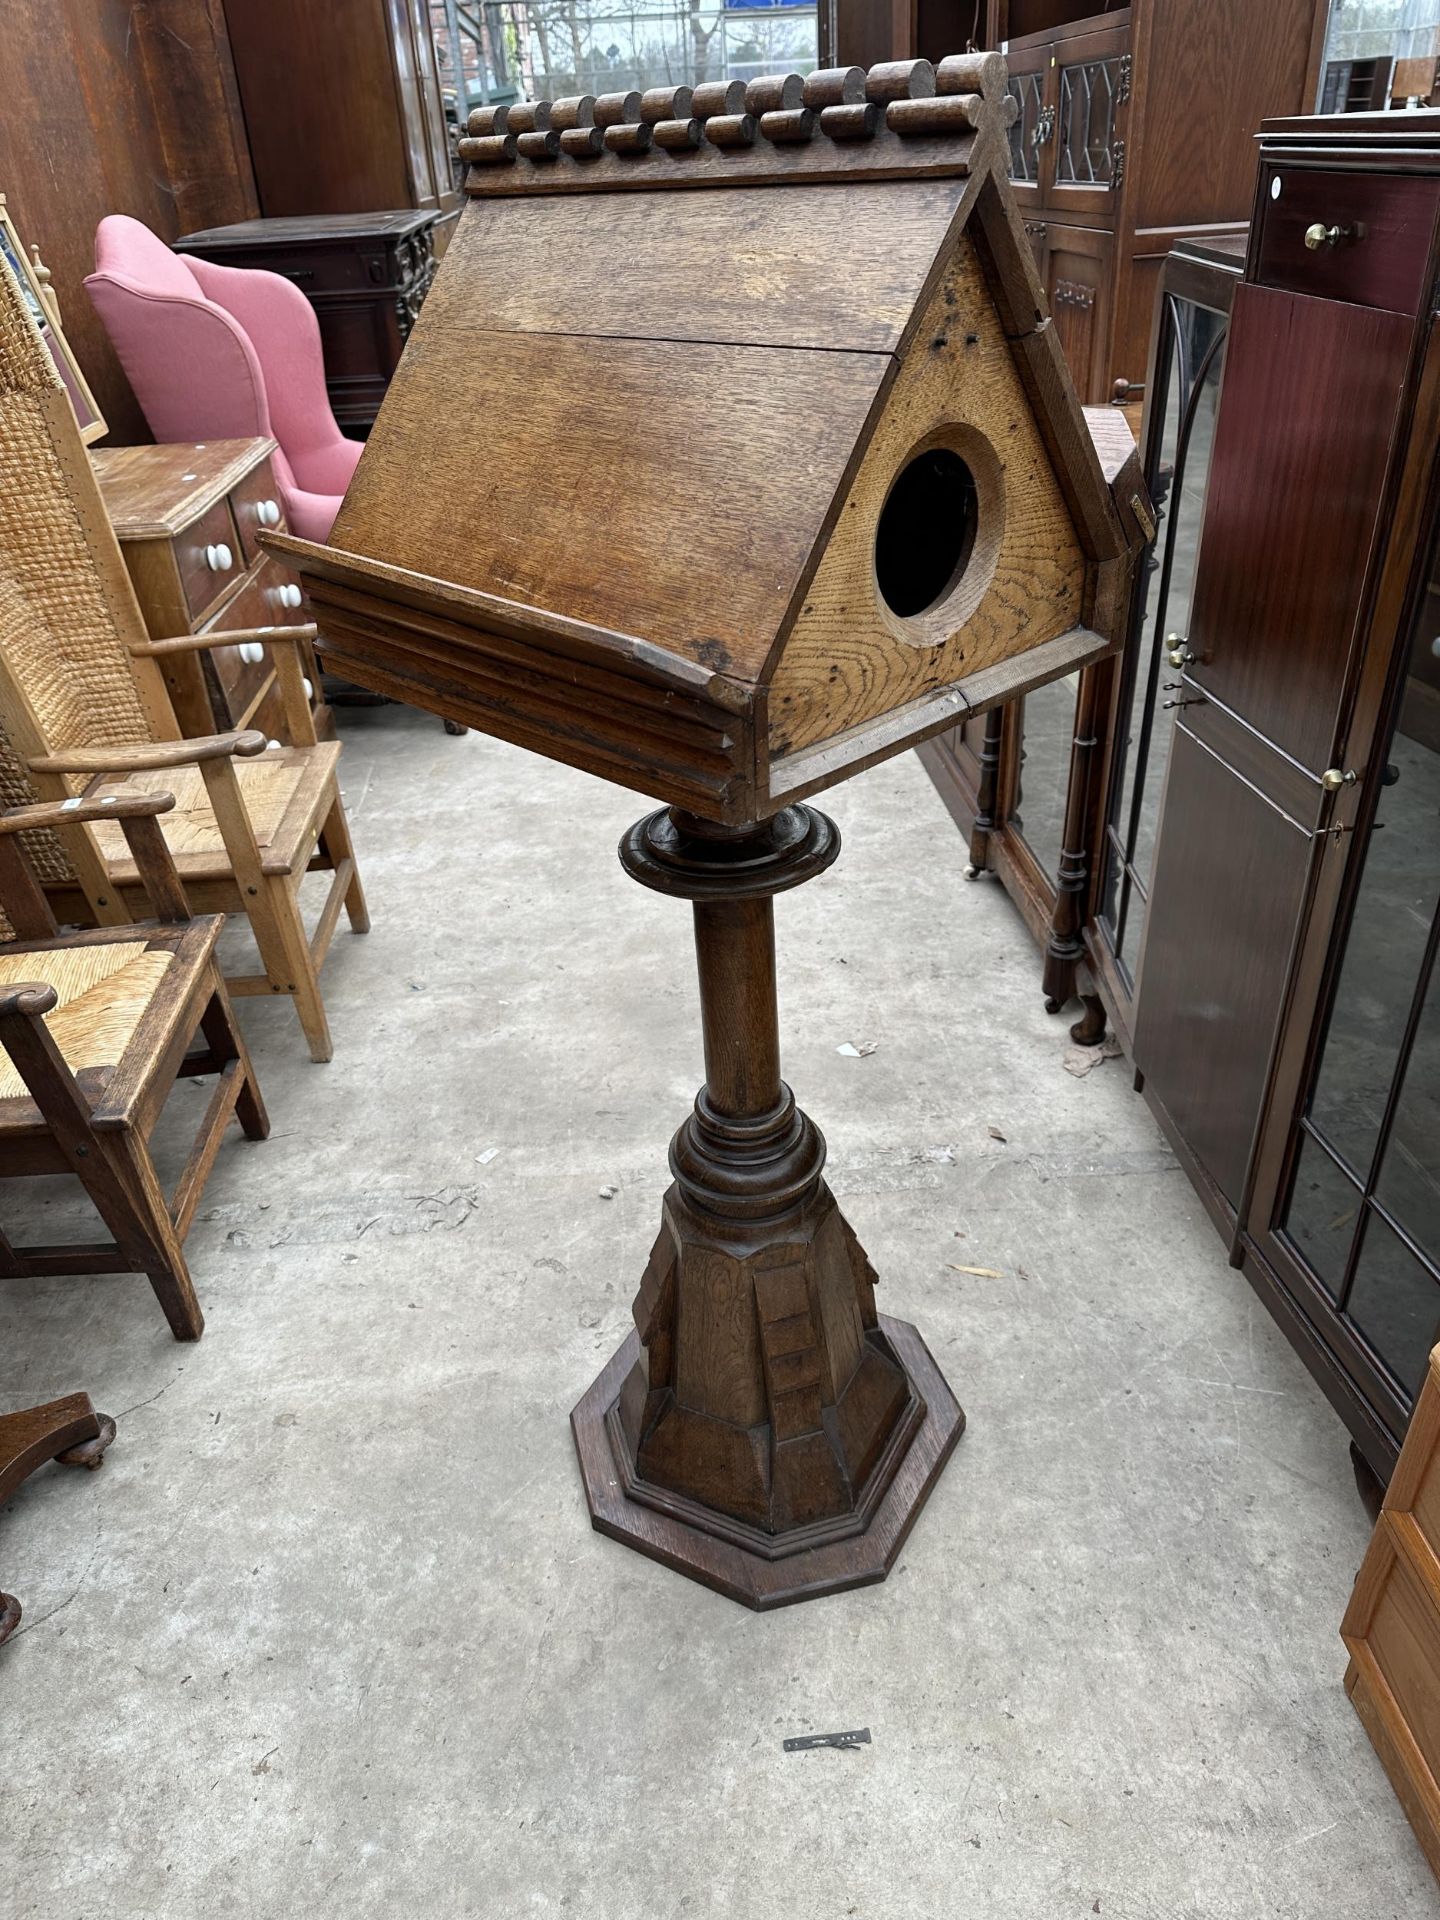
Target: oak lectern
{"x": 732, "y": 451}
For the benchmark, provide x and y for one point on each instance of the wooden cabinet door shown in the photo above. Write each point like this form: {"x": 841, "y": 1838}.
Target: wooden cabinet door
{"x": 1078, "y": 280}
{"x": 1030, "y": 86}
{"x": 1231, "y": 869}
{"x": 1312, "y": 390}
{"x": 1086, "y": 148}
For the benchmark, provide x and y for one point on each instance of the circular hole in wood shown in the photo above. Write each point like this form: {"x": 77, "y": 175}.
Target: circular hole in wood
{"x": 926, "y": 532}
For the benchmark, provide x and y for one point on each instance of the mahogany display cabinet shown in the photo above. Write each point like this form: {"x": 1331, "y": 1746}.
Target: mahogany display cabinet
{"x": 1264, "y": 938}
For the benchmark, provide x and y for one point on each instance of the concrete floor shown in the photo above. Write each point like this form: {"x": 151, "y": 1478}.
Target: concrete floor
{"x": 330, "y": 1634}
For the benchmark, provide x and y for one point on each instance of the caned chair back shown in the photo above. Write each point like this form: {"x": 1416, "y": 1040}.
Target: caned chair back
{"x": 68, "y": 613}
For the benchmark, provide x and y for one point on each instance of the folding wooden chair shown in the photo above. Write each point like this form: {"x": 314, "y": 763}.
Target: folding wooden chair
{"x": 95, "y": 1029}
{"x": 83, "y": 702}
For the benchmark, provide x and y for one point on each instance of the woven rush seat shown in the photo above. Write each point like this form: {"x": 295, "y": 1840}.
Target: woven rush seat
{"x": 96, "y": 1026}
{"x": 103, "y": 993}
{"x": 286, "y": 793}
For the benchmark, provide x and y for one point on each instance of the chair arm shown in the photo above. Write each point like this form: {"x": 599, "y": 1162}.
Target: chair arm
{"x": 152, "y": 758}
{"x": 27, "y": 997}
{"x": 287, "y": 660}
{"x": 200, "y": 642}
{"x": 122, "y": 803}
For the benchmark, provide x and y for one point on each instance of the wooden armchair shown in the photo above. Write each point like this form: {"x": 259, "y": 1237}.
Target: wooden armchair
{"x": 95, "y": 1029}
{"x": 83, "y": 702}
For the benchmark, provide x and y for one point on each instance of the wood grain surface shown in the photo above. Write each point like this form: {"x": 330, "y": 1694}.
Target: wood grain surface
{"x": 823, "y": 266}
{"x": 156, "y": 492}
{"x": 1279, "y": 594}
{"x": 682, "y": 490}
{"x": 847, "y": 657}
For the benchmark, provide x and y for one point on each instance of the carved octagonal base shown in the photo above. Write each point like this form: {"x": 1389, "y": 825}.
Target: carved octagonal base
{"x": 804, "y": 1574}
{"x": 763, "y": 1430}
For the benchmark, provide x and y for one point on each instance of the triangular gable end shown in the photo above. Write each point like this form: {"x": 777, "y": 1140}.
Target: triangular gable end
{"x": 731, "y": 454}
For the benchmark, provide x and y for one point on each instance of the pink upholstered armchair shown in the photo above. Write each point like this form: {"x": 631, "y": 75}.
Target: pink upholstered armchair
{"x": 220, "y": 353}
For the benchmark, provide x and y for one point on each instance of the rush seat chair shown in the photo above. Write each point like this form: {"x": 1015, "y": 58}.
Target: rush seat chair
{"x": 83, "y": 704}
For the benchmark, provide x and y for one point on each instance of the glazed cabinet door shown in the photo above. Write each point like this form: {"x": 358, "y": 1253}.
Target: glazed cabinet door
{"x": 1186, "y": 372}
{"x": 1312, "y": 391}
{"x": 1032, "y": 135}
{"x": 1346, "y": 1208}
{"x": 1091, "y": 92}
{"x": 1302, "y": 443}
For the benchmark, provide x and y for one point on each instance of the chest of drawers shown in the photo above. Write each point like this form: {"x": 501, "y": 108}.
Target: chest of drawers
{"x": 187, "y": 517}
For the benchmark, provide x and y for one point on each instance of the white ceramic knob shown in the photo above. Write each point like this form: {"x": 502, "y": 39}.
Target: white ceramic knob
{"x": 251, "y": 652}
{"x": 309, "y": 689}
{"x": 268, "y": 513}
{"x": 272, "y": 743}
{"x": 219, "y": 558}
{"x": 290, "y": 596}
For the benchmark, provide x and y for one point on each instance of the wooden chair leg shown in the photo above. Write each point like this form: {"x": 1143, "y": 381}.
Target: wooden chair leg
{"x": 279, "y": 930}
{"x": 335, "y": 838}
{"x": 222, "y": 1031}
{"x": 165, "y": 1263}
{"x": 115, "y": 1169}
{"x": 302, "y": 976}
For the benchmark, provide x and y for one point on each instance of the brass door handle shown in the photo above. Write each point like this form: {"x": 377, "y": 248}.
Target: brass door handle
{"x": 1320, "y": 236}
{"x": 1332, "y": 780}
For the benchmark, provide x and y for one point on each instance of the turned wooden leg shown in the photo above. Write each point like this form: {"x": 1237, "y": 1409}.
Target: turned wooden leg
{"x": 1065, "y": 943}
{"x": 763, "y": 1429}
{"x": 987, "y": 793}
{"x": 68, "y": 1430}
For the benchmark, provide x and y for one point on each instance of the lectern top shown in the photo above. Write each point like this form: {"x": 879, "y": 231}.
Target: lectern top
{"x": 723, "y": 493}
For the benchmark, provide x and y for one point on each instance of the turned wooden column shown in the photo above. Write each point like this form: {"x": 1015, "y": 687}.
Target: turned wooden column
{"x": 763, "y": 1429}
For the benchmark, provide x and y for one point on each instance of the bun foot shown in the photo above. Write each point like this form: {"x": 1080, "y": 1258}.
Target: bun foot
{"x": 1089, "y": 1029}
{"x": 90, "y": 1453}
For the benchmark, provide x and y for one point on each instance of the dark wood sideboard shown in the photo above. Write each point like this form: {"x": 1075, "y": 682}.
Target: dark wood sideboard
{"x": 365, "y": 274}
